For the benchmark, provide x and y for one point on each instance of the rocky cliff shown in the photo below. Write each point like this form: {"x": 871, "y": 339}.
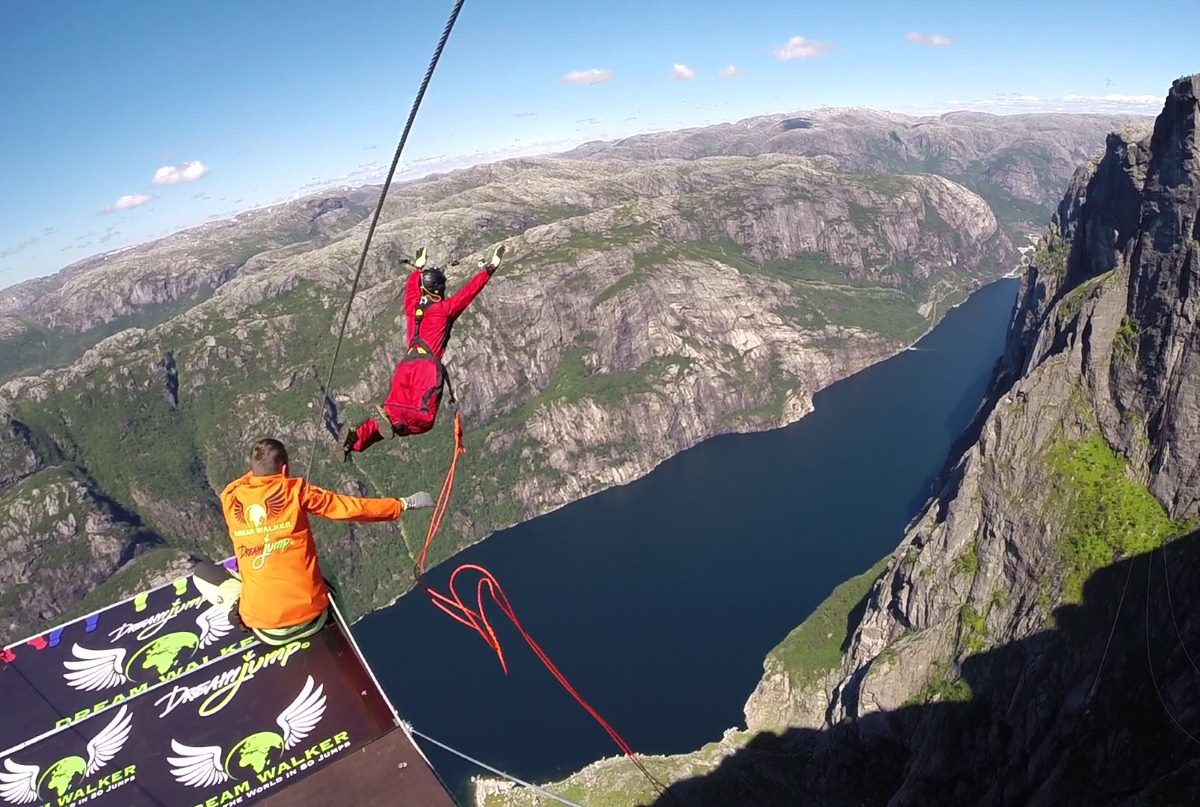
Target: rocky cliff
{"x": 647, "y": 305}
{"x": 1033, "y": 638}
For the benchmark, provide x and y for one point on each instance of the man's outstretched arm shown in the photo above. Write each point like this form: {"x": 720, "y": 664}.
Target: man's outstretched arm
{"x": 463, "y": 297}
{"x": 340, "y": 507}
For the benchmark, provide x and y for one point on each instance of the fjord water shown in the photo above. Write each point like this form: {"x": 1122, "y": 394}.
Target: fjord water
{"x": 660, "y": 599}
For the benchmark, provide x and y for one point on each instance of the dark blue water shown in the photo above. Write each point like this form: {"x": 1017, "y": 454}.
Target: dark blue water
{"x": 660, "y": 599}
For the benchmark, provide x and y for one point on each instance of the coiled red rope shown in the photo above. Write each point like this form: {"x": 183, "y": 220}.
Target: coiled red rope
{"x": 488, "y": 587}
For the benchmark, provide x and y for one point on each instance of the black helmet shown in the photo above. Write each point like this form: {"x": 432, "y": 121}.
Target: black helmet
{"x": 433, "y": 280}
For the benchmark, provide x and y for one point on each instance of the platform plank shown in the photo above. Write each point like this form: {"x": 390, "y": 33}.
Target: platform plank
{"x": 389, "y": 771}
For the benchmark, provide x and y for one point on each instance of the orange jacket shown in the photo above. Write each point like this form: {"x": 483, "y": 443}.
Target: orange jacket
{"x": 276, "y": 555}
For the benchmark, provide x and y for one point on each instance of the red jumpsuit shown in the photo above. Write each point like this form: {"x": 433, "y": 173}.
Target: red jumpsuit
{"x": 416, "y": 390}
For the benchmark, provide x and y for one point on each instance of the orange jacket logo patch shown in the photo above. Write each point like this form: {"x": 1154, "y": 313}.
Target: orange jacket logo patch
{"x": 257, "y": 514}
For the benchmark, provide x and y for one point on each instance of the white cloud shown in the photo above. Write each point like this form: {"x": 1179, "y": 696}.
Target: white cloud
{"x": 21, "y": 247}
{"x": 129, "y": 200}
{"x": 932, "y": 40}
{"x": 583, "y": 77}
{"x": 184, "y": 172}
{"x": 1018, "y": 103}
{"x": 681, "y": 72}
{"x": 1117, "y": 98}
{"x": 800, "y": 48}
{"x": 729, "y": 71}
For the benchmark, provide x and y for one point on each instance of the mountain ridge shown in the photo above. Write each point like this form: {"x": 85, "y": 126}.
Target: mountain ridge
{"x": 613, "y": 315}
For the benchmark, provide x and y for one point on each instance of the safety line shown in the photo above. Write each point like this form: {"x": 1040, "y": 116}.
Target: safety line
{"x": 1111, "y": 631}
{"x": 540, "y": 791}
{"x": 1171, "y": 604}
{"x": 1150, "y": 660}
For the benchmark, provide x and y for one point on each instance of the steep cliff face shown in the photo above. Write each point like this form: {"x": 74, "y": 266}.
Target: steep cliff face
{"x": 1093, "y": 411}
{"x": 1032, "y": 639}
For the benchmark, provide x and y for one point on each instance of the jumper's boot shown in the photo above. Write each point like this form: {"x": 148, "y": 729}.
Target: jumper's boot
{"x": 346, "y": 440}
{"x": 384, "y": 421}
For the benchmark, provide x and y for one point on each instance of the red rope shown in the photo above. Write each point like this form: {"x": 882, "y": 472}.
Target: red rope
{"x": 476, "y": 618}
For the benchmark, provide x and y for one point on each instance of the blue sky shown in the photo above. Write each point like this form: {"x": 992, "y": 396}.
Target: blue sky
{"x": 242, "y": 104}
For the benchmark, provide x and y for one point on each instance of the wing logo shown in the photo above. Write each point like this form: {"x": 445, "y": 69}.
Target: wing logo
{"x": 259, "y": 514}
{"x": 207, "y": 765}
{"x": 23, "y": 784}
{"x": 93, "y": 670}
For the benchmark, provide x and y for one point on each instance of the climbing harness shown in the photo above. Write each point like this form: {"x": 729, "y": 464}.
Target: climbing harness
{"x": 420, "y": 350}
{"x": 387, "y": 183}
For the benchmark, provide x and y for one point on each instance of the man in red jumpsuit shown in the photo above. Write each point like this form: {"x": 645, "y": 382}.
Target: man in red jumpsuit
{"x": 417, "y": 382}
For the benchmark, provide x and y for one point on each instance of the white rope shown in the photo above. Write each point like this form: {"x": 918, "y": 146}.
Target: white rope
{"x": 541, "y": 791}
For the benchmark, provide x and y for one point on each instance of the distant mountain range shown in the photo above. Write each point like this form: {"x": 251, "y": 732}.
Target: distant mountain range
{"x": 660, "y": 290}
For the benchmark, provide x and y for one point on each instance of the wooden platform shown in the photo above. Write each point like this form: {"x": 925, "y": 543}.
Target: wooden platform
{"x": 389, "y": 771}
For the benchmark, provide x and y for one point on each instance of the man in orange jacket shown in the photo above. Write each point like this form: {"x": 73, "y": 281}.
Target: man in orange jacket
{"x": 278, "y": 589}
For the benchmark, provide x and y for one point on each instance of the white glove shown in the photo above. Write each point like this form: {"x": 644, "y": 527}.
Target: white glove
{"x": 417, "y": 501}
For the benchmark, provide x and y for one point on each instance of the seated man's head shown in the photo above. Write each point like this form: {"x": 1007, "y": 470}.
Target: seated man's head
{"x": 269, "y": 457}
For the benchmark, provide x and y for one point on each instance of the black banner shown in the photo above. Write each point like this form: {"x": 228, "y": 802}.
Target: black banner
{"x": 106, "y": 658}
{"x": 208, "y": 717}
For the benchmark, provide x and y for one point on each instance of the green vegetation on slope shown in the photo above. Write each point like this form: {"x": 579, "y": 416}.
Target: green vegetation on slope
{"x": 1050, "y": 257}
{"x": 130, "y": 579}
{"x": 973, "y": 625}
{"x": 815, "y": 647}
{"x": 1125, "y": 344}
{"x": 942, "y": 687}
{"x": 1106, "y": 515}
